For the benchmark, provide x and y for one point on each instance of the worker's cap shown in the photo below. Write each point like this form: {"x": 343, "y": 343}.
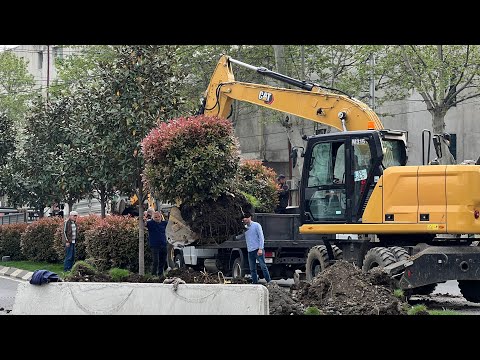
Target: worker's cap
{"x": 73, "y": 213}
{"x": 281, "y": 176}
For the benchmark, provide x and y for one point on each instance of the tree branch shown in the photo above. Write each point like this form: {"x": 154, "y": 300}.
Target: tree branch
{"x": 466, "y": 98}
{"x": 427, "y": 98}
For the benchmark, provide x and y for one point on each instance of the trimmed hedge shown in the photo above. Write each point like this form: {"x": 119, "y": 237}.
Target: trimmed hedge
{"x": 38, "y": 239}
{"x": 10, "y": 241}
{"x": 113, "y": 242}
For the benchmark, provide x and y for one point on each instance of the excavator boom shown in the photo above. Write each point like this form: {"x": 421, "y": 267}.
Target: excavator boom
{"x": 336, "y": 110}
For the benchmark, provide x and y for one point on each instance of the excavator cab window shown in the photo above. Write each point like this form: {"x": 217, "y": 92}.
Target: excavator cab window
{"x": 341, "y": 172}
{"x": 326, "y": 190}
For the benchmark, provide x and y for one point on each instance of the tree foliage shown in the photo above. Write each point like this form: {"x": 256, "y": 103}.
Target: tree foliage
{"x": 16, "y": 86}
{"x": 444, "y": 76}
{"x": 33, "y": 174}
{"x": 190, "y": 160}
{"x": 258, "y": 180}
{"x": 7, "y": 139}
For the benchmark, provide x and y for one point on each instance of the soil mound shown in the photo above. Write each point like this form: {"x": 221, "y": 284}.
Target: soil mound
{"x": 281, "y": 302}
{"x": 343, "y": 289}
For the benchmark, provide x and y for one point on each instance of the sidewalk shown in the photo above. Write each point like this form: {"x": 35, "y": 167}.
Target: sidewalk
{"x": 16, "y": 273}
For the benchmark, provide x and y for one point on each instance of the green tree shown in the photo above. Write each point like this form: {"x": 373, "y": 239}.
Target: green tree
{"x": 33, "y": 173}
{"x": 67, "y": 147}
{"x": 143, "y": 91}
{"x": 443, "y": 75}
{"x": 81, "y": 65}
{"x": 16, "y": 86}
{"x": 7, "y": 139}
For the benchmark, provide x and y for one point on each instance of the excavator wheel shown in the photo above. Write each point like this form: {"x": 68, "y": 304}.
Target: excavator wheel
{"x": 377, "y": 257}
{"x": 337, "y": 252}
{"x": 470, "y": 290}
{"x": 317, "y": 261}
{"x": 399, "y": 253}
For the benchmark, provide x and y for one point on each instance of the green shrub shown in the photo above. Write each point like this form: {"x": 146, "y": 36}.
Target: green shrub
{"x": 312, "y": 310}
{"x": 399, "y": 293}
{"x": 419, "y": 309}
{"x": 259, "y": 181}
{"x": 10, "y": 241}
{"x": 84, "y": 223}
{"x": 113, "y": 242}
{"x": 118, "y": 274}
{"x": 37, "y": 240}
{"x": 252, "y": 200}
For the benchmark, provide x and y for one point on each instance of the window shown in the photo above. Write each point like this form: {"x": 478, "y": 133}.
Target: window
{"x": 58, "y": 52}
{"x": 453, "y": 145}
{"x": 40, "y": 60}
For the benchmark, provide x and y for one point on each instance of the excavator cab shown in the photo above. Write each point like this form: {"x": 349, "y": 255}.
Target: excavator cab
{"x": 342, "y": 170}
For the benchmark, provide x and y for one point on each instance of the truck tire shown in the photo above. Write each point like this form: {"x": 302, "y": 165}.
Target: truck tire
{"x": 179, "y": 263}
{"x": 238, "y": 271}
{"x": 170, "y": 256}
{"x": 377, "y": 257}
{"x": 317, "y": 261}
{"x": 470, "y": 290}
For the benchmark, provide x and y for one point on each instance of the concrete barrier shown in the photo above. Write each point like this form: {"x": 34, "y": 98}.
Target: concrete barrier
{"x": 78, "y": 298}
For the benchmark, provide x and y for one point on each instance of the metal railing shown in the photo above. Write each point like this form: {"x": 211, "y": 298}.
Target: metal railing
{"x": 16, "y": 218}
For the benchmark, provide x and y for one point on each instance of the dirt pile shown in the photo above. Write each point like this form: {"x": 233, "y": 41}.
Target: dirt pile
{"x": 281, "y": 301}
{"x": 343, "y": 289}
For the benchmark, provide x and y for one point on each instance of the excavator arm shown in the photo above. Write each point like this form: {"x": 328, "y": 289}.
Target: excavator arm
{"x": 311, "y": 102}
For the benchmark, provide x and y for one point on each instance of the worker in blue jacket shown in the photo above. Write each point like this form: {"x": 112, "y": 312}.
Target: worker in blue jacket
{"x": 157, "y": 240}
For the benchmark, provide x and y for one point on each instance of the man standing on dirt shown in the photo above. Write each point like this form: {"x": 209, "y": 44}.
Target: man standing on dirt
{"x": 157, "y": 241}
{"x": 255, "y": 246}
{"x": 70, "y": 235}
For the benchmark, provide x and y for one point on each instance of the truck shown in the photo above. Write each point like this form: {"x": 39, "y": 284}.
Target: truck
{"x": 359, "y": 201}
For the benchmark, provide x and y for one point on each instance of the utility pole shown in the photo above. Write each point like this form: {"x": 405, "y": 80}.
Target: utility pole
{"x": 372, "y": 81}
{"x": 302, "y": 52}
{"x": 48, "y": 69}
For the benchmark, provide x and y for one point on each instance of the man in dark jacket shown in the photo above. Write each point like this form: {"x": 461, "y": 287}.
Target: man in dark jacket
{"x": 157, "y": 241}
{"x": 70, "y": 235}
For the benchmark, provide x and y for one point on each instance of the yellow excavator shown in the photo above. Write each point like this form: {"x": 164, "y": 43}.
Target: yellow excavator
{"x": 413, "y": 221}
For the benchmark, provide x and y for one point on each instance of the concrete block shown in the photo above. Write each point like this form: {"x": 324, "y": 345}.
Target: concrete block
{"x": 72, "y": 298}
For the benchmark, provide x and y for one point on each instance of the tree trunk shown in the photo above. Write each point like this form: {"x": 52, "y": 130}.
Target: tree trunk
{"x": 141, "y": 232}
{"x": 292, "y": 130}
{"x": 70, "y": 206}
{"x": 102, "y": 202}
{"x": 438, "y": 124}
